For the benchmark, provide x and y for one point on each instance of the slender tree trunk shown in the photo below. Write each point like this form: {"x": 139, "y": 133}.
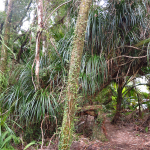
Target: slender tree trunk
{"x": 22, "y": 45}
{"x": 119, "y": 101}
{"x": 38, "y": 39}
{"x": 139, "y": 103}
{"x": 138, "y": 96}
{"x": 72, "y": 88}
{"x": 4, "y": 50}
{"x": 149, "y": 91}
{"x": 44, "y": 48}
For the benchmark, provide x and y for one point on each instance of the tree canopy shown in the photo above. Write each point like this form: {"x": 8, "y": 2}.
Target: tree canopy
{"x": 66, "y": 59}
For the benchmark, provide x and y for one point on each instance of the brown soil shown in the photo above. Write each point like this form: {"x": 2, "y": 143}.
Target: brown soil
{"x": 123, "y": 136}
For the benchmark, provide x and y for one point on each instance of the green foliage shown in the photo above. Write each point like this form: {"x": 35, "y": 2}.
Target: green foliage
{"x": 20, "y": 94}
{"x": 114, "y": 102}
{"x": 123, "y": 18}
{"x": 146, "y": 129}
{"x": 2, "y": 16}
{"x": 31, "y": 143}
{"x": 3, "y": 81}
{"x": 6, "y": 133}
{"x": 92, "y": 73}
{"x": 32, "y": 132}
{"x": 25, "y": 101}
{"x": 117, "y": 25}
{"x": 5, "y": 139}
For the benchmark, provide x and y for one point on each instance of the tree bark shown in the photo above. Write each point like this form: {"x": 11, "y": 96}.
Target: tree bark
{"x": 38, "y": 39}
{"x": 119, "y": 101}
{"x": 72, "y": 88}
{"x": 138, "y": 96}
{"x": 22, "y": 45}
{"x": 4, "y": 50}
{"x": 44, "y": 48}
{"x": 139, "y": 103}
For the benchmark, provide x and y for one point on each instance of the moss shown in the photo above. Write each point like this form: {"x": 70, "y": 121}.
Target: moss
{"x": 70, "y": 105}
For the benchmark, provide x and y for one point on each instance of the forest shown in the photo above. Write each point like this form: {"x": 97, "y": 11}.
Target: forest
{"x": 71, "y": 75}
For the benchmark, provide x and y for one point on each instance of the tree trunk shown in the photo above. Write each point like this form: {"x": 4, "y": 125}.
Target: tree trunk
{"x": 72, "y": 88}
{"x": 119, "y": 101}
{"x": 38, "y": 39}
{"x": 22, "y": 45}
{"x": 149, "y": 91}
{"x": 138, "y": 96}
{"x": 4, "y": 50}
{"x": 44, "y": 48}
{"x": 139, "y": 103}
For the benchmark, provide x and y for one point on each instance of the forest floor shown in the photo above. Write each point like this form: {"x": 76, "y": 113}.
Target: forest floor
{"x": 123, "y": 136}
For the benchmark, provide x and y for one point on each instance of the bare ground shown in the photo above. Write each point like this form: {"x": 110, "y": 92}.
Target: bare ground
{"x": 124, "y": 136}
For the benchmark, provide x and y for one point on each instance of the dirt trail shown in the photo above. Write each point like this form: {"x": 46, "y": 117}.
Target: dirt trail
{"x": 127, "y": 137}
{"x": 124, "y": 137}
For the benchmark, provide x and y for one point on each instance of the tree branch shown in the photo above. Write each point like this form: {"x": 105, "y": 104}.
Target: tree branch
{"x": 55, "y": 10}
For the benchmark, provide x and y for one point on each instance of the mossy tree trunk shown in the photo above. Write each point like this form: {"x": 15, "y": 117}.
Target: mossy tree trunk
{"x": 119, "y": 101}
{"x": 72, "y": 88}
{"x": 4, "y": 49}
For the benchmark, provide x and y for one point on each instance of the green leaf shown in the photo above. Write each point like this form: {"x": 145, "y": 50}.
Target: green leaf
{"x": 146, "y": 129}
{"x": 8, "y": 139}
{"x": 31, "y": 143}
